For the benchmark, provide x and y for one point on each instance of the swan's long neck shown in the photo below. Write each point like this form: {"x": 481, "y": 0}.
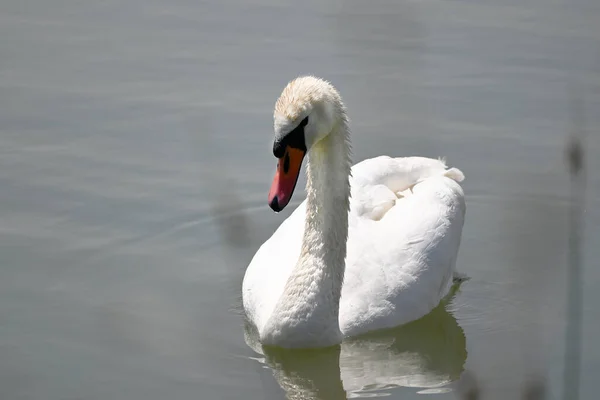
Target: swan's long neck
{"x": 307, "y": 313}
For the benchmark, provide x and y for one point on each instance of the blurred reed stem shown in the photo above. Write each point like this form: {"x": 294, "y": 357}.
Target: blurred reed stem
{"x": 576, "y": 165}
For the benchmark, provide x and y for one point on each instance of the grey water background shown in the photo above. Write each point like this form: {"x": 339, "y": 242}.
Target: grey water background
{"x": 135, "y": 162}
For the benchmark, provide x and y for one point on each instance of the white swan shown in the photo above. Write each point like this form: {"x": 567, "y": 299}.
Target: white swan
{"x": 373, "y": 246}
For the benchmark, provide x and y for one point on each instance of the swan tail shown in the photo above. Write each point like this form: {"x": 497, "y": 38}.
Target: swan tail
{"x": 454, "y": 173}
{"x": 459, "y": 277}
{"x": 428, "y": 167}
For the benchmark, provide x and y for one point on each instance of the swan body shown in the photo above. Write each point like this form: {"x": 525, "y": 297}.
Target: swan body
{"x": 373, "y": 246}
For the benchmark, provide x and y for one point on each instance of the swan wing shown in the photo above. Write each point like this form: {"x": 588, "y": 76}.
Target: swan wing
{"x": 404, "y": 235}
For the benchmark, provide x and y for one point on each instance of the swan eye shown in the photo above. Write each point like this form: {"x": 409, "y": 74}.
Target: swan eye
{"x": 294, "y": 139}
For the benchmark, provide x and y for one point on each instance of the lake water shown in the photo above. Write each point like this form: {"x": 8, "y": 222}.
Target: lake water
{"x": 135, "y": 162}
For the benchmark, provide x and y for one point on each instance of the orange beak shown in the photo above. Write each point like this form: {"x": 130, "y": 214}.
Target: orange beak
{"x": 284, "y": 183}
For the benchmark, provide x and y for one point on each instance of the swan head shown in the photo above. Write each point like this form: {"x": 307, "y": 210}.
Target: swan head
{"x": 305, "y": 113}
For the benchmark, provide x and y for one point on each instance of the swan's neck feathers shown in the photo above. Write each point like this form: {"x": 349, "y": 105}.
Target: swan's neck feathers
{"x": 307, "y": 313}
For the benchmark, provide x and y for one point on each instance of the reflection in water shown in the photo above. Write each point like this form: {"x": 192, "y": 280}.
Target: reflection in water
{"x": 427, "y": 353}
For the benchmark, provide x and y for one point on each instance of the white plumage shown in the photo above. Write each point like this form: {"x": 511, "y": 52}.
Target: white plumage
{"x": 403, "y": 232}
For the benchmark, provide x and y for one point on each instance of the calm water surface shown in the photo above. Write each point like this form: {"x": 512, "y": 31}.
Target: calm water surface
{"x": 135, "y": 162}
